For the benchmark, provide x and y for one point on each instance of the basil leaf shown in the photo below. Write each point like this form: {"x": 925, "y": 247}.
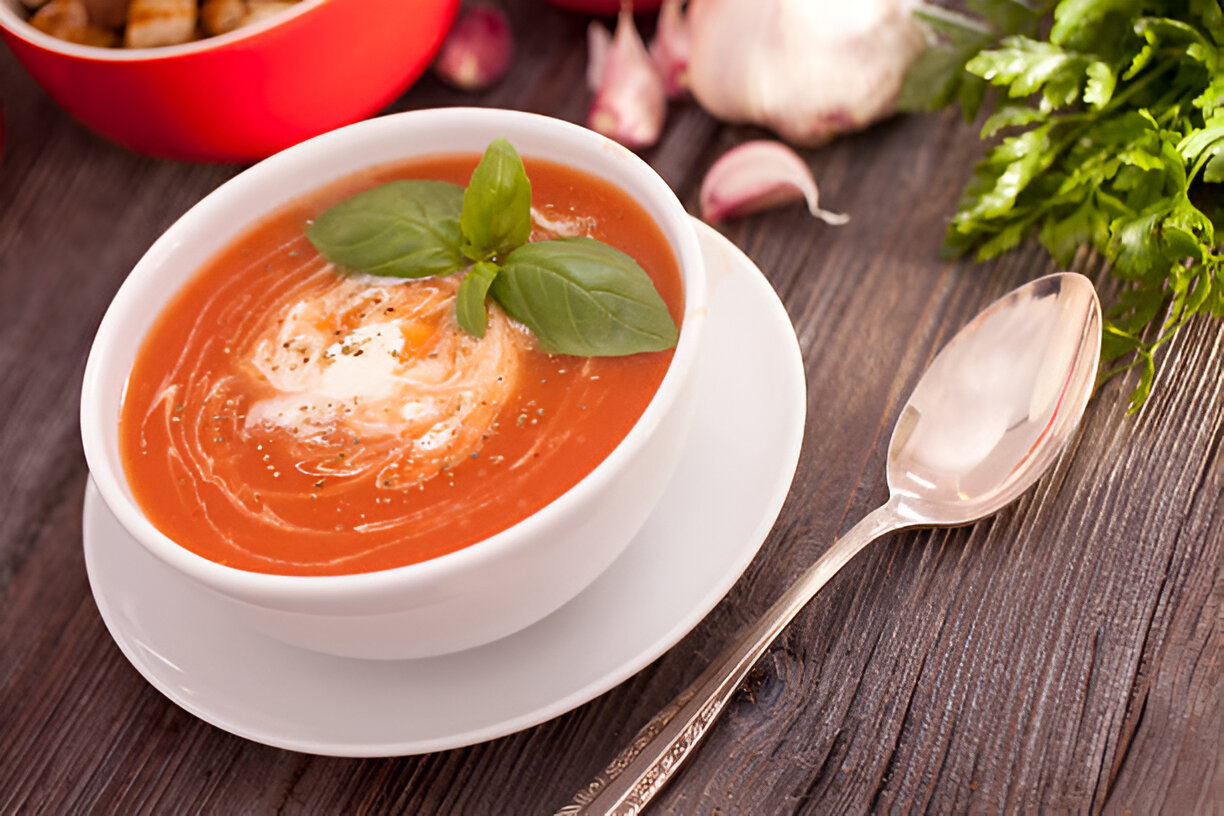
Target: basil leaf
{"x": 406, "y": 229}
{"x": 470, "y": 302}
{"x": 583, "y": 297}
{"x": 497, "y": 204}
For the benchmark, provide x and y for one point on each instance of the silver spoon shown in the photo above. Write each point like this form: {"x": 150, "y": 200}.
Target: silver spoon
{"x": 989, "y": 416}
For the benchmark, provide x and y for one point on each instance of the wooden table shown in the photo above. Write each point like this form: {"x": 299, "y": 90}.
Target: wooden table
{"x": 1064, "y": 655}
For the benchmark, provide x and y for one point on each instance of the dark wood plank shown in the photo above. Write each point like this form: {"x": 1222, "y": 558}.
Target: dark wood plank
{"x": 1064, "y": 655}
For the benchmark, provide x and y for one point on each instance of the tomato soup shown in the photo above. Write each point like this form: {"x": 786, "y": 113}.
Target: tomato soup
{"x": 283, "y": 416}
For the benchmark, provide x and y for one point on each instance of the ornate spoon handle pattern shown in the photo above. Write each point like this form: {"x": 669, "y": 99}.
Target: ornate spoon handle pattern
{"x": 632, "y": 779}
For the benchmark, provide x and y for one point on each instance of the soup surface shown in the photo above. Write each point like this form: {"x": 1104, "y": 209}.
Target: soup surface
{"x": 283, "y": 416}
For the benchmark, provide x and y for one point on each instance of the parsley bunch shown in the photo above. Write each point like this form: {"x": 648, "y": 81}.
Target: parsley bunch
{"x": 1108, "y": 130}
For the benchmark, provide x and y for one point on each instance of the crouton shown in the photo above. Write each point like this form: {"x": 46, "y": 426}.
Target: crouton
{"x": 160, "y": 22}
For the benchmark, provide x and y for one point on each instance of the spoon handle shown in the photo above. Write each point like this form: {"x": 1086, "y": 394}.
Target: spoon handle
{"x": 632, "y": 779}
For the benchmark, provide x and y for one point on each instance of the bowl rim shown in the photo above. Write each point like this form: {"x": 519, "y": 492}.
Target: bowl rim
{"x": 273, "y": 588}
{"x": 13, "y": 23}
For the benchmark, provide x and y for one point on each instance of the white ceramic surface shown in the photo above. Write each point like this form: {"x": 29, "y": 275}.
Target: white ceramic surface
{"x": 733, "y": 477}
{"x": 481, "y": 592}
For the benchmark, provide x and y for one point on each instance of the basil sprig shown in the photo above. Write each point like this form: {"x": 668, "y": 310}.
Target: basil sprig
{"x": 577, "y": 295}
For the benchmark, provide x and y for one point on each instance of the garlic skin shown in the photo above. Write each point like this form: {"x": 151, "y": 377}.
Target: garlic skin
{"x": 477, "y": 51}
{"x": 806, "y": 69}
{"x": 756, "y": 176}
{"x": 670, "y": 48}
{"x": 599, "y": 44}
{"x": 630, "y": 102}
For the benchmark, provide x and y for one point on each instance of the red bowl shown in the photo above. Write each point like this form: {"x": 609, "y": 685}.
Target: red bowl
{"x": 247, "y": 94}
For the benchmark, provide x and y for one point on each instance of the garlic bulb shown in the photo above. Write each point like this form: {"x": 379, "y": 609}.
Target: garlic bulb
{"x": 807, "y": 69}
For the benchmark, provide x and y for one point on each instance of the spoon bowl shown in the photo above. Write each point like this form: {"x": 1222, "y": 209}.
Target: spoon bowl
{"x": 997, "y": 404}
{"x": 988, "y": 417}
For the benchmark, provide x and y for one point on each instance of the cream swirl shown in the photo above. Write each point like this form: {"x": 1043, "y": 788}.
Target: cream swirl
{"x": 382, "y": 362}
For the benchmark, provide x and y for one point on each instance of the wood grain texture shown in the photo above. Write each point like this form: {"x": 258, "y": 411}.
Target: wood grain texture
{"x": 1062, "y": 656}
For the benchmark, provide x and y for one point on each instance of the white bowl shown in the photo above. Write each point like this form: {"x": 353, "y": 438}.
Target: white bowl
{"x": 477, "y": 594}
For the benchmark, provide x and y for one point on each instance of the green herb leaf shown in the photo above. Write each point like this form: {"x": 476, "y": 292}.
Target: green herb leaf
{"x": 934, "y": 80}
{"x": 497, "y": 204}
{"x": 1084, "y": 25}
{"x": 470, "y": 308}
{"x": 1206, "y": 147}
{"x": 1100, "y": 85}
{"x": 407, "y": 229}
{"x": 1026, "y": 66}
{"x": 1211, "y": 18}
{"x": 1011, "y": 16}
{"x": 937, "y": 77}
{"x": 1010, "y": 116}
{"x": 1012, "y": 165}
{"x": 1086, "y": 225}
{"x": 580, "y": 296}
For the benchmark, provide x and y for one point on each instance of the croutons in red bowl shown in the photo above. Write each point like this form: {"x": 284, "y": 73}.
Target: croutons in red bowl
{"x": 275, "y": 74}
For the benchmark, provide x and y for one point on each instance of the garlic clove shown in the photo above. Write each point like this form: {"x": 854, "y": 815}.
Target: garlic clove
{"x": 670, "y": 48}
{"x": 477, "y": 51}
{"x": 759, "y": 175}
{"x": 630, "y": 102}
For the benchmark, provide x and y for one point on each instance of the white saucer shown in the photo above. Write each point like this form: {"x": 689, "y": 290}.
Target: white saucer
{"x": 727, "y": 492}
